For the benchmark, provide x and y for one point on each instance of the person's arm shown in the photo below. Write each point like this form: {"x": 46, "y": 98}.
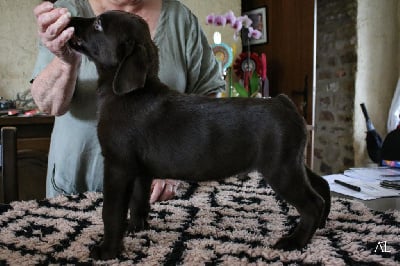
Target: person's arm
{"x": 204, "y": 76}
{"x": 52, "y": 88}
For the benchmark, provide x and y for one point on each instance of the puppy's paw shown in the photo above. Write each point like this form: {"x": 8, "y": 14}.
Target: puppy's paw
{"x": 288, "y": 243}
{"x": 100, "y": 252}
{"x": 137, "y": 225}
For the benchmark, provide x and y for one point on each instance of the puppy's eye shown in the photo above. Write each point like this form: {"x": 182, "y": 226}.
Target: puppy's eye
{"x": 97, "y": 25}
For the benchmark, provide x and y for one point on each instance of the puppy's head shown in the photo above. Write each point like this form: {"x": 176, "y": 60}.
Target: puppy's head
{"x": 119, "y": 43}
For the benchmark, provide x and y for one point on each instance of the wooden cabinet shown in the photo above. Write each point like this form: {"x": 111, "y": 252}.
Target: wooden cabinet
{"x": 25, "y": 145}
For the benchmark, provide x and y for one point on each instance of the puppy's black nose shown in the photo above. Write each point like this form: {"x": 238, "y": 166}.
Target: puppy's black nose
{"x": 75, "y": 42}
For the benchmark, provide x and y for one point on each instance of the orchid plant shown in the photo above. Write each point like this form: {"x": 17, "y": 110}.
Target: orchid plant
{"x": 237, "y": 23}
{"x": 251, "y": 80}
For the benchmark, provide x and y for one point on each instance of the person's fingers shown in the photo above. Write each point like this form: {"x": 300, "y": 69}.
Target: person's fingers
{"x": 55, "y": 28}
{"x": 51, "y": 23}
{"x": 53, "y": 32}
{"x": 168, "y": 192}
{"x": 42, "y": 8}
{"x": 58, "y": 45}
{"x": 158, "y": 189}
{"x": 47, "y": 15}
{"x": 162, "y": 190}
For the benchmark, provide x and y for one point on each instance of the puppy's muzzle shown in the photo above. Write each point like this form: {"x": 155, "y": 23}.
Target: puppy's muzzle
{"x": 75, "y": 41}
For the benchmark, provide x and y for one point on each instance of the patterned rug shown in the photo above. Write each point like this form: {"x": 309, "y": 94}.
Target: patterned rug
{"x": 234, "y": 222}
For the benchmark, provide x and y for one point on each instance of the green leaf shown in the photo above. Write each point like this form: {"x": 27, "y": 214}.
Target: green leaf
{"x": 254, "y": 84}
{"x": 240, "y": 89}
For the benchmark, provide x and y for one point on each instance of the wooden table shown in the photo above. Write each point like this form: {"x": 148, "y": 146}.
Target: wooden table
{"x": 24, "y": 162}
{"x": 32, "y": 132}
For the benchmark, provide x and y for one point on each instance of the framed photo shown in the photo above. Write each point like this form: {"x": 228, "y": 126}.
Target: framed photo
{"x": 260, "y": 19}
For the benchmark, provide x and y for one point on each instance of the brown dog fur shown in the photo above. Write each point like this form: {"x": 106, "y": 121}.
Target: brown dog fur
{"x": 146, "y": 129}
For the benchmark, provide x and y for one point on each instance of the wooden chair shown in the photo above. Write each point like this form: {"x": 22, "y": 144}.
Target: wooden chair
{"x": 9, "y": 164}
{"x": 23, "y": 165}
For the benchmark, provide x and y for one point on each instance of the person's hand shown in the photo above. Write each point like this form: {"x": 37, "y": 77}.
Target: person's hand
{"x": 162, "y": 190}
{"x": 52, "y": 31}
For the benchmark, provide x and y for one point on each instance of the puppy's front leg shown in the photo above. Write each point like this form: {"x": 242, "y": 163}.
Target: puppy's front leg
{"x": 140, "y": 205}
{"x": 117, "y": 192}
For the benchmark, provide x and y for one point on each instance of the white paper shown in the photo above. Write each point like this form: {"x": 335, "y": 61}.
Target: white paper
{"x": 374, "y": 173}
{"x": 369, "y": 189}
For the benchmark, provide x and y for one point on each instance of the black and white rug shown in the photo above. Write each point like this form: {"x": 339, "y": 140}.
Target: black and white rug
{"x": 234, "y": 222}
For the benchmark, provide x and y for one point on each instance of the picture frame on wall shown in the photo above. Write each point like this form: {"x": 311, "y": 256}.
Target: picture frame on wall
{"x": 259, "y": 16}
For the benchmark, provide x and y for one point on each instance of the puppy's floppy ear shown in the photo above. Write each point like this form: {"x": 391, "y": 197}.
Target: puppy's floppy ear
{"x": 132, "y": 71}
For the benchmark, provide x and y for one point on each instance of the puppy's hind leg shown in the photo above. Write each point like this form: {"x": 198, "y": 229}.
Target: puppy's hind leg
{"x": 139, "y": 205}
{"x": 292, "y": 185}
{"x": 117, "y": 190}
{"x": 322, "y": 187}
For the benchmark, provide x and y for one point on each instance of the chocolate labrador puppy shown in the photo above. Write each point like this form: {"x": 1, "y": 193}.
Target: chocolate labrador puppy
{"x": 147, "y": 130}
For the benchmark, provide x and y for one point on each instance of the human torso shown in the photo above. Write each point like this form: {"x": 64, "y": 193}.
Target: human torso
{"x": 75, "y": 160}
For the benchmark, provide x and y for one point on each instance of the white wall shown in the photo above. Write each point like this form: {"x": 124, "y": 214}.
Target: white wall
{"x": 378, "y": 67}
{"x": 17, "y": 46}
{"x": 18, "y": 41}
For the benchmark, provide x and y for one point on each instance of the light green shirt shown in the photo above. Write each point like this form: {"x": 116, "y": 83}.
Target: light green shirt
{"x": 187, "y": 65}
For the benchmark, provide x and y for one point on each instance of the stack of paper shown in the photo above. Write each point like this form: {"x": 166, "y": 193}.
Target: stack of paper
{"x": 364, "y": 182}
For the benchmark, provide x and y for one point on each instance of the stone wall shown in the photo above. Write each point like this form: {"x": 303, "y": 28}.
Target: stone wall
{"x": 335, "y": 88}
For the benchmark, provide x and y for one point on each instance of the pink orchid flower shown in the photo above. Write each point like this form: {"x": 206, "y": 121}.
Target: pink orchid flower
{"x": 210, "y": 19}
{"x": 255, "y": 34}
{"x": 220, "y": 20}
{"x": 237, "y": 23}
{"x": 246, "y": 21}
{"x": 230, "y": 17}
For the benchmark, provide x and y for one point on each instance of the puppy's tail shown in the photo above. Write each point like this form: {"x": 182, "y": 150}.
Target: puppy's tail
{"x": 321, "y": 186}
{"x": 286, "y": 101}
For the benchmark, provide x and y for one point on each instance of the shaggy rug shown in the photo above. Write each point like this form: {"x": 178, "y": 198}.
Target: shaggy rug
{"x": 233, "y": 222}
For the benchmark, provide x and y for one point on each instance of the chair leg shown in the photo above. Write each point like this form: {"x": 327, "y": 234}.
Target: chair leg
{"x": 9, "y": 163}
